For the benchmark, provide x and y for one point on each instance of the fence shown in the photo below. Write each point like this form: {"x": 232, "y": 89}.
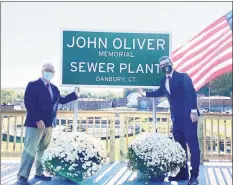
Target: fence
{"x": 116, "y": 130}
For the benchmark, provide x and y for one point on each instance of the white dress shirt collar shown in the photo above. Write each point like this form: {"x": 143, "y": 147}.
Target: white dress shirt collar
{"x": 45, "y": 82}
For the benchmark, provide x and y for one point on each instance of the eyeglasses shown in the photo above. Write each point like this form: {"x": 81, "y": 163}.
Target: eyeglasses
{"x": 48, "y": 70}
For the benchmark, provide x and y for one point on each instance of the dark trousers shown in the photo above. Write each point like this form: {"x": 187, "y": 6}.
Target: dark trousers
{"x": 185, "y": 132}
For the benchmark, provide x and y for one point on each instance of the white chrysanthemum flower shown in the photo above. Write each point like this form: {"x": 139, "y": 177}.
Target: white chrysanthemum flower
{"x": 150, "y": 151}
{"x": 73, "y": 154}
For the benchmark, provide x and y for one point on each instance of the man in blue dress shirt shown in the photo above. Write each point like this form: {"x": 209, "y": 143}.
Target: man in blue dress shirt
{"x": 41, "y": 101}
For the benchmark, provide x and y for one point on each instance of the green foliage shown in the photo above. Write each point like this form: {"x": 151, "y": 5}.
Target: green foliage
{"x": 221, "y": 86}
{"x": 9, "y": 96}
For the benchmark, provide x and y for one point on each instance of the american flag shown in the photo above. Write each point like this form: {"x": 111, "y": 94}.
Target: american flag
{"x": 208, "y": 54}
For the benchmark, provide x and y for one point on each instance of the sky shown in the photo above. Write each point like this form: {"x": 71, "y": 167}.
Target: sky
{"x": 31, "y": 32}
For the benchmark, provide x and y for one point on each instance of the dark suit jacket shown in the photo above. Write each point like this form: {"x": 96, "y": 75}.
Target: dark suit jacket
{"x": 183, "y": 97}
{"x": 40, "y": 105}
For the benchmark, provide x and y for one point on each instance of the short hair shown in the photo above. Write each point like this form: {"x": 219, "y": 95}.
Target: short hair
{"x": 165, "y": 58}
{"x": 48, "y": 65}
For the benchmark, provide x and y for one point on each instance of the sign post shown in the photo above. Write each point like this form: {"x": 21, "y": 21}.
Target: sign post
{"x": 75, "y": 121}
{"x": 154, "y": 114}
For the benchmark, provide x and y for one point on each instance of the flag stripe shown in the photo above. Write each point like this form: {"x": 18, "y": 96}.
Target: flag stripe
{"x": 201, "y": 37}
{"x": 200, "y": 75}
{"x": 198, "y": 56}
{"x": 221, "y": 19}
{"x": 208, "y": 37}
{"x": 219, "y": 55}
{"x": 208, "y": 58}
{"x": 214, "y": 74}
{"x": 208, "y": 54}
{"x": 173, "y": 52}
{"x": 213, "y": 70}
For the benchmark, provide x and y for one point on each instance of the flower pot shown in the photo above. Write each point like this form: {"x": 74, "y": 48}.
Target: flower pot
{"x": 160, "y": 178}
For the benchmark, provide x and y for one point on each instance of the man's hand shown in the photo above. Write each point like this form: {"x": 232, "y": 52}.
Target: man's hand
{"x": 142, "y": 92}
{"x": 77, "y": 91}
{"x": 194, "y": 116}
{"x": 40, "y": 124}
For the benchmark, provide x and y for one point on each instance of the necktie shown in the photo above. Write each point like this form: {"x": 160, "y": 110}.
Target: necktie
{"x": 49, "y": 90}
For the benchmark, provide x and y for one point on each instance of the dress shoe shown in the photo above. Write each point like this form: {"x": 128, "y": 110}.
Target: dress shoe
{"x": 22, "y": 181}
{"x": 43, "y": 177}
{"x": 193, "y": 181}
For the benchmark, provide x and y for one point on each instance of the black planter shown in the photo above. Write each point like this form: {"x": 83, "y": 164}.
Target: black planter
{"x": 160, "y": 178}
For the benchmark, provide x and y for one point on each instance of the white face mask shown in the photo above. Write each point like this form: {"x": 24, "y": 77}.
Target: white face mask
{"x": 47, "y": 75}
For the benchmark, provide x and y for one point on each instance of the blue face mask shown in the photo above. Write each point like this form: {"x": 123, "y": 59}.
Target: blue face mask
{"x": 47, "y": 76}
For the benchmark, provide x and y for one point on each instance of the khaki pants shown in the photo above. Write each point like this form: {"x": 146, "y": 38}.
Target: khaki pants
{"x": 36, "y": 142}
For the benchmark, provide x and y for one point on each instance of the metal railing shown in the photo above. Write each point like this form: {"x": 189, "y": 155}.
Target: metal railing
{"x": 116, "y": 130}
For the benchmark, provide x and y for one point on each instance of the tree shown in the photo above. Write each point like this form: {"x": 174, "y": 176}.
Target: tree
{"x": 83, "y": 96}
{"x": 110, "y": 95}
{"x": 8, "y": 96}
{"x": 221, "y": 86}
{"x": 89, "y": 95}
{"x": 20, "y": 96}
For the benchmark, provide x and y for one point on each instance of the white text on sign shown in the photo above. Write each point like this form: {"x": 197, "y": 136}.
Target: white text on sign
{"x": 115, "y": 79}
{"x": 84, "y": 67}
{"x": 117, "y": 43}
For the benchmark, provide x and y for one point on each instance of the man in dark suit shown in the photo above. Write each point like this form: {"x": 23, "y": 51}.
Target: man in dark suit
{"x": 41, "y": 101}
{"x": 182, "y": 98}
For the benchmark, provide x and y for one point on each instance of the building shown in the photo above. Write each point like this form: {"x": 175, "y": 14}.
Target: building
{"x": 7, "y": 107}
{"x": 17, "y": 105}
{"x": 87, "y": 104}
{"x": 121, "y": 102}
{"x": 217, "y": 103}
{"x": 145, "y": 103}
